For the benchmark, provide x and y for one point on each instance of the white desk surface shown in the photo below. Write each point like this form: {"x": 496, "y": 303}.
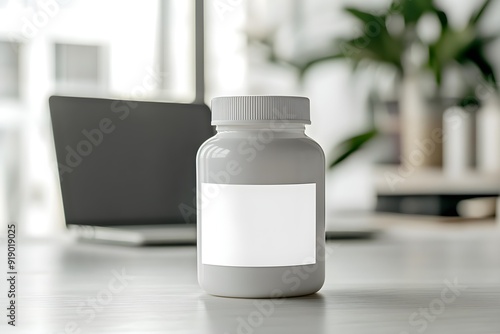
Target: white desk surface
{"x": 372, "y": 286}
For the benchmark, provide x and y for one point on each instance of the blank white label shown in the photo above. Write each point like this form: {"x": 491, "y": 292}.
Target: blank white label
{"x": 258, "y": 225}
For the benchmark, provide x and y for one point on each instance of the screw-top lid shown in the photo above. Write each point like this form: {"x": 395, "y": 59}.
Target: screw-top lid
{"x": 230, "y": 110}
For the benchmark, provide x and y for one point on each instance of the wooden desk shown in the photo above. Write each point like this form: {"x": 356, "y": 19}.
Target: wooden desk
{"x": 372, "y": 286}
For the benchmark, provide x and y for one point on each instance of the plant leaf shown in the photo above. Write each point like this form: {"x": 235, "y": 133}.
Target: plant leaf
{"x": 477, "y": 57}
{"x": 479, "y": 14}
{"x": 443, "y": 18}
{"x": 475, "y": 52}
{"x": 303, "y": 68}
{"x": 349, "y": 146}
{"x": 365, "y": 17}
{"x": 383, "y": 48}
{"x": 413, "y": 10}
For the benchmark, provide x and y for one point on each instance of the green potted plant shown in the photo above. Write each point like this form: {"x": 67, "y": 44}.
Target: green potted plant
{"x": 390, "y": 38}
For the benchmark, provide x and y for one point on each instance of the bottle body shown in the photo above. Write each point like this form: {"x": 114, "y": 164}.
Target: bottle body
{"x": 261, "y": 212}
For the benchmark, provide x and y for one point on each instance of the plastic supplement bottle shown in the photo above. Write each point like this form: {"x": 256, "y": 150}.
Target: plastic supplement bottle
{"x": 261, "y": 200}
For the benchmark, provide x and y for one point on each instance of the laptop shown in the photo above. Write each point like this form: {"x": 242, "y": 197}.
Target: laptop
{"x": 127, "y": 169}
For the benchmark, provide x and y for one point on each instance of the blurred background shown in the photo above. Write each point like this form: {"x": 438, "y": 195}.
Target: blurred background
{"x": 403, "y": 93}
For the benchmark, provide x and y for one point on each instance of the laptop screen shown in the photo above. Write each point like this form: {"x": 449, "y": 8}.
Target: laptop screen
{"x": 127, "y": 162}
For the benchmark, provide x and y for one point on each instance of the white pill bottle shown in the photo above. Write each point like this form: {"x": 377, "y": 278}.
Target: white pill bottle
{"x": 261, "y": 200}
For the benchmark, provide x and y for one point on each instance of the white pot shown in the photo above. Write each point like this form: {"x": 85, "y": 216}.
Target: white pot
{"x": 421, "y": 127}
{"x": 488, "y": 136}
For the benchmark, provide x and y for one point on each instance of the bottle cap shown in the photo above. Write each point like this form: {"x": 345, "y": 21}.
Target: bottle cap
{"x": 232, "y": 110}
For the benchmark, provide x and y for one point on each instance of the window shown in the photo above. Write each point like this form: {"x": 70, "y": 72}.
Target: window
{"x": 9, "y": 70}
{"x": 81, "y": 67}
